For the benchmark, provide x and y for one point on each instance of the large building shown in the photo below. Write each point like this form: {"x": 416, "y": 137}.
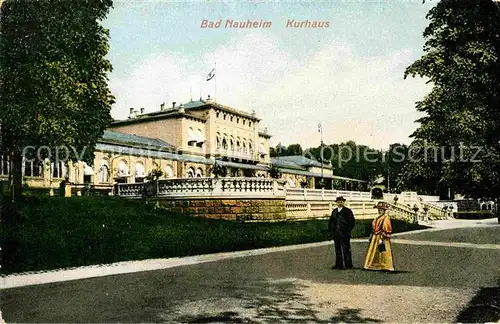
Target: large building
{"x": 183, "y": 141}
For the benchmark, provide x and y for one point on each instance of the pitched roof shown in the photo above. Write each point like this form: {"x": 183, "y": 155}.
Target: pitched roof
{"x": 298, "y": 160}
{"x": 131, "y": 139}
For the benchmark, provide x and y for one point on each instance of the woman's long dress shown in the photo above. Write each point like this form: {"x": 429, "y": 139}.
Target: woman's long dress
{"x": 376, "y": 260}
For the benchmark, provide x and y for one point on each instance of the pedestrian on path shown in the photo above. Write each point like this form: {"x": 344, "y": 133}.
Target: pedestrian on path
{"x": 340, "y": 226}
{"x": 379, "y": 255}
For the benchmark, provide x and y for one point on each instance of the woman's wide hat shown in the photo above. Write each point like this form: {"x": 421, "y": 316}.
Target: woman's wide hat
{"x": 382, "y": 205}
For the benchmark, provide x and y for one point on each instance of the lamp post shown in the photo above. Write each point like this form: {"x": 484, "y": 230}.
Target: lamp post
{"x": 320, "y": 130}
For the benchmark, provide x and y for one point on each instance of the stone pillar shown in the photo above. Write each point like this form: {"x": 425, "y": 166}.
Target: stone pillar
{"x": 67, "y": 190}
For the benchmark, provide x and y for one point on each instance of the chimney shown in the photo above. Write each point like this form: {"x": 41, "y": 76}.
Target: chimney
{"x": 209, "y": 99}
{"x": 131, "y": 111}
{"x": 173, "y": 105}
{"x": 142, "y": 110}
{"x": 162, "y": 107}
{"x": 181, "y": 108}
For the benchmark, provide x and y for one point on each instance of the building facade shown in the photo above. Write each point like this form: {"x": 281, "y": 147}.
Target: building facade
{"x": 182, "y": 141}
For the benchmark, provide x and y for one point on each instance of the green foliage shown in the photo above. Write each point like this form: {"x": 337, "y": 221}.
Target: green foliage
{"x": 462, "y": 61}
{"x": 58, "y": 232}
{"x": 281, "y": 150}
{"x": 474, "y": 214}
{"x": 274, "y": 172}
{"x": 218, "y": 170}
{"x": 53, "y": 75}
{"x": 155, "y": 174}
{"x": 294, "y": 149}
{"x": 351, "y": 160}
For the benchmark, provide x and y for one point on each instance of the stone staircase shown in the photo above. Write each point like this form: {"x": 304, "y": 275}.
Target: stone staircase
{"x": 434, "y": 212}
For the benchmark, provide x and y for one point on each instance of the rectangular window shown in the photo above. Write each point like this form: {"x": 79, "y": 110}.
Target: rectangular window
{"x": 37, "y": 169}
{"x": 4, "y": 166}
{"x": 28, "y": 169}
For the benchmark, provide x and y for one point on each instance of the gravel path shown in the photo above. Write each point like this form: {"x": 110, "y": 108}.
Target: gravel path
{"x": 435, "y": 280}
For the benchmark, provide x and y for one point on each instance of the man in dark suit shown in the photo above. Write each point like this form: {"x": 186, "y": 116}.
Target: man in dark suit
{"x": 340, "y": 226}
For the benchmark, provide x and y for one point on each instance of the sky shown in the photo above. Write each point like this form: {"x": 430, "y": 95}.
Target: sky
{"x": 347, "y": 76}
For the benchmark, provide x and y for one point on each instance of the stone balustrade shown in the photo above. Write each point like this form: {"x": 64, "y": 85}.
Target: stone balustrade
{"x": 260, "y": 199}
{"x": 303, "y": 209}
{"x": 325, "y": 194}
{"x": 130, "y": 190}
{"x": 435, "y": 211}
{"x": 209, "y": 187}
{"x": 404, "y": 212}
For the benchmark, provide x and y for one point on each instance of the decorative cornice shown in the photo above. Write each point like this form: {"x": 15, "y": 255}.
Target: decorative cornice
{"x": 158, "y": 116}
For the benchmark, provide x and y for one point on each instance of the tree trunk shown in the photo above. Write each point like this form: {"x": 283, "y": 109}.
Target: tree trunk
{"x": 17, "y": 177}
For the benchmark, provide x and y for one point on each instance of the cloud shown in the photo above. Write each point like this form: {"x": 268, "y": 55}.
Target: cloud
{"x": 355, "y": 98}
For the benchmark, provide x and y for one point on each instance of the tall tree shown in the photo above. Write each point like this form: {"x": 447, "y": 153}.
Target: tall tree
{"x": 351, "y": 160}
{"x": 395, "y": 160}
{"x": 53, "y": 78}
{"x": 294, "y": 149}
{"x": 462, "y": 61}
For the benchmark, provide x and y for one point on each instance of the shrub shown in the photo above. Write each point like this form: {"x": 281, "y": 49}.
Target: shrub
{"x": 474, "y": 214}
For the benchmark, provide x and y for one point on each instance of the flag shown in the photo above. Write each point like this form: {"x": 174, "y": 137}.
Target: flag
{"x": 211, "y": 75}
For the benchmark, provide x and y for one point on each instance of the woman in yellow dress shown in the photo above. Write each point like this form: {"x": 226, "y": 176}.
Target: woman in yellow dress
{"x": 379, "y": 256}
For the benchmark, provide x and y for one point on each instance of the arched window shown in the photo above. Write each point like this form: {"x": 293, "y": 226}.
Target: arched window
{"x": 140, "y": 172}
{"x": 190, "y": 172}
{"x": 245, "y": 148}
{"x": 192, "y": 137}
{"x": 238, "y": 146}
{"x": 169, "y": 171}
{"x": 262, "y": 149}
{"x": 218, "y": 141}
{"x": 224, "y": 144}
{"x": 199, "y": 173}
{"x": 104, "y": 174}
{"x": 201, "y": 138}
{"x": 122, "y": 169}
{"x": 231, "y": 144}
{"x": 250, "y": 148}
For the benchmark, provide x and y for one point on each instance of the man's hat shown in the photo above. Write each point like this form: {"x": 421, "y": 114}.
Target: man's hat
{"x": 382, "y": 205}
{"x": 340, "y": 198}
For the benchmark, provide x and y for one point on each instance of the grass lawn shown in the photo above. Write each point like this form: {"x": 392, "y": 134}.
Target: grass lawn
{"x": 56, "y": 232}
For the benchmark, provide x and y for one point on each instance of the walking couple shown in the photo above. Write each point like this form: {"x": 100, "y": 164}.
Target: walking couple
{"x": 341, "y": 224}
